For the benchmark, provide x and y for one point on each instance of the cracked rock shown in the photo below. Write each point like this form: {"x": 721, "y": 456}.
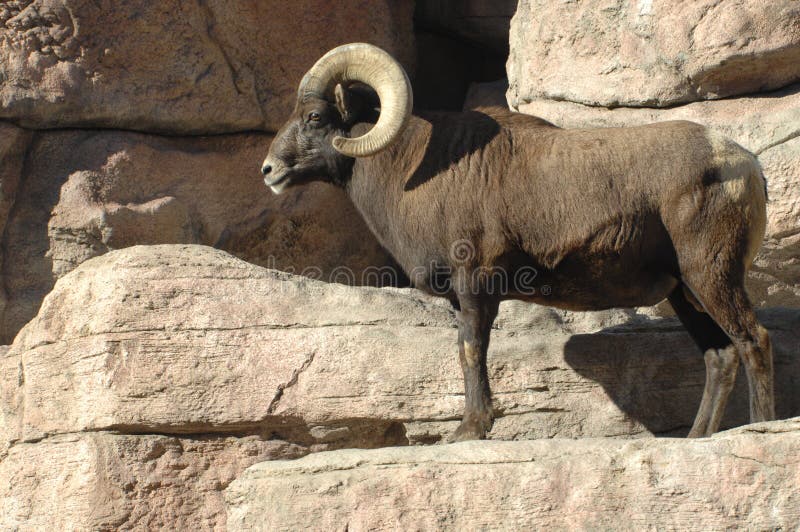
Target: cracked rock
{"x": 103, "y": 481}
{"x": 153, "y": 375}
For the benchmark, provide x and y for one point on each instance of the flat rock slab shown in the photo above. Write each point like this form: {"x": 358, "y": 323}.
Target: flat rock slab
{"x": 746, "y": 478}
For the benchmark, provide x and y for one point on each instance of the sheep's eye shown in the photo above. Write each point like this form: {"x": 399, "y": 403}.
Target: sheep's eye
{"x": 314, "y": 116}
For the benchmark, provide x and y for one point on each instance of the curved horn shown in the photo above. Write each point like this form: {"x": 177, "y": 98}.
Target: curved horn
{"x": 374, "y": 67}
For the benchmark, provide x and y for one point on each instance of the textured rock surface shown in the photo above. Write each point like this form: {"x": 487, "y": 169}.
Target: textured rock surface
{"x": 152, "y": 377}
{"x": 746, "y": 477}
{"x": 651, "y": 53}
{"x": 768, "y": 125}
{"x": 84, "y": 193}
{"x": 13, "y": 143}
{"x": 105, "y": 481}
{"x": 757, "y": 122}
{"x": 186, "y": 339}
{"x": 198, "y": 67}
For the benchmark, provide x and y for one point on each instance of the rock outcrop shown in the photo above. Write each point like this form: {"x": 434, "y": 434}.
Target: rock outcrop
{"x": 743, "y": 478}
{"x": 175, "y": 339}
{"x": 203, "y": 67}
{"x": 109, "y": 481}
{"x": 653, "y": 53}
{"x": 163, "y": 371}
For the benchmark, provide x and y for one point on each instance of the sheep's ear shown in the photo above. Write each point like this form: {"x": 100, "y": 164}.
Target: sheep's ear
{"x": 343, "y": 103}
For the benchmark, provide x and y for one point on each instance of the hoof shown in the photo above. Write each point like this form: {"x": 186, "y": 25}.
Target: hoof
{"x": 470, "y": 430}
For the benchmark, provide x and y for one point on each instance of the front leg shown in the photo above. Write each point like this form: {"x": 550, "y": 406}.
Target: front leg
{"x": 475, "y": 319}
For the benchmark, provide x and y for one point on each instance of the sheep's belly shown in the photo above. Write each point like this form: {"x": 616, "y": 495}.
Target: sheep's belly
{"x": 595, "y": 286}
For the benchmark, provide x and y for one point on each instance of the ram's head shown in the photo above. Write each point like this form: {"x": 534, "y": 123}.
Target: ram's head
{"x": 316, "y": 142}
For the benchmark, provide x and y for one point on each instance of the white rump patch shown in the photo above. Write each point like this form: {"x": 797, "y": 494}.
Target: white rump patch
{"x": 740, "y": 176}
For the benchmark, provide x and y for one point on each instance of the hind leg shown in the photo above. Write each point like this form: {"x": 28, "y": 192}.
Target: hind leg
{"x": 721, "y": 359}
{"x": 726, "y": 301}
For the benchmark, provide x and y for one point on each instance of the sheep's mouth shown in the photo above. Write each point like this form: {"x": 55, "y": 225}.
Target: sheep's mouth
{"x": 278, "y": 185}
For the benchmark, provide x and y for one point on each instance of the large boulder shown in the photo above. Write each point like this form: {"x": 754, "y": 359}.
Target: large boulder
{"x": 84, "y": 193}
{"x": 744, "y": 478}
{"x": 653, "y": 53}
{"x": 179, "y": 67}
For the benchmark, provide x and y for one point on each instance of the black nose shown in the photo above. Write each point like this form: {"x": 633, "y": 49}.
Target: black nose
{"x": 266, "y": 169}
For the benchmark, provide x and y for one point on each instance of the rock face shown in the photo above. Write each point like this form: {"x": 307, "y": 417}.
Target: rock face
{"x": 743, "y": 477}
{"x": 108, "y": 481}
{"x": 203, "y": 67}
{"x": 160, "y": 372}
{"x": 653, "y": 53}
{"x": 84, "y": 193}
{"x": 490, "y": 94}
{"x": 13, "y": 144}
{"x": 182, "y": 69}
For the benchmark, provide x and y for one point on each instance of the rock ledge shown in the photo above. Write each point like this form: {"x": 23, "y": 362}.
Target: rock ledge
{"x": 746, "y": 476}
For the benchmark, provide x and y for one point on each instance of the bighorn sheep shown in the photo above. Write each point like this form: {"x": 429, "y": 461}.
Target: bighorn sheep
{"x": 607, "y": 217}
